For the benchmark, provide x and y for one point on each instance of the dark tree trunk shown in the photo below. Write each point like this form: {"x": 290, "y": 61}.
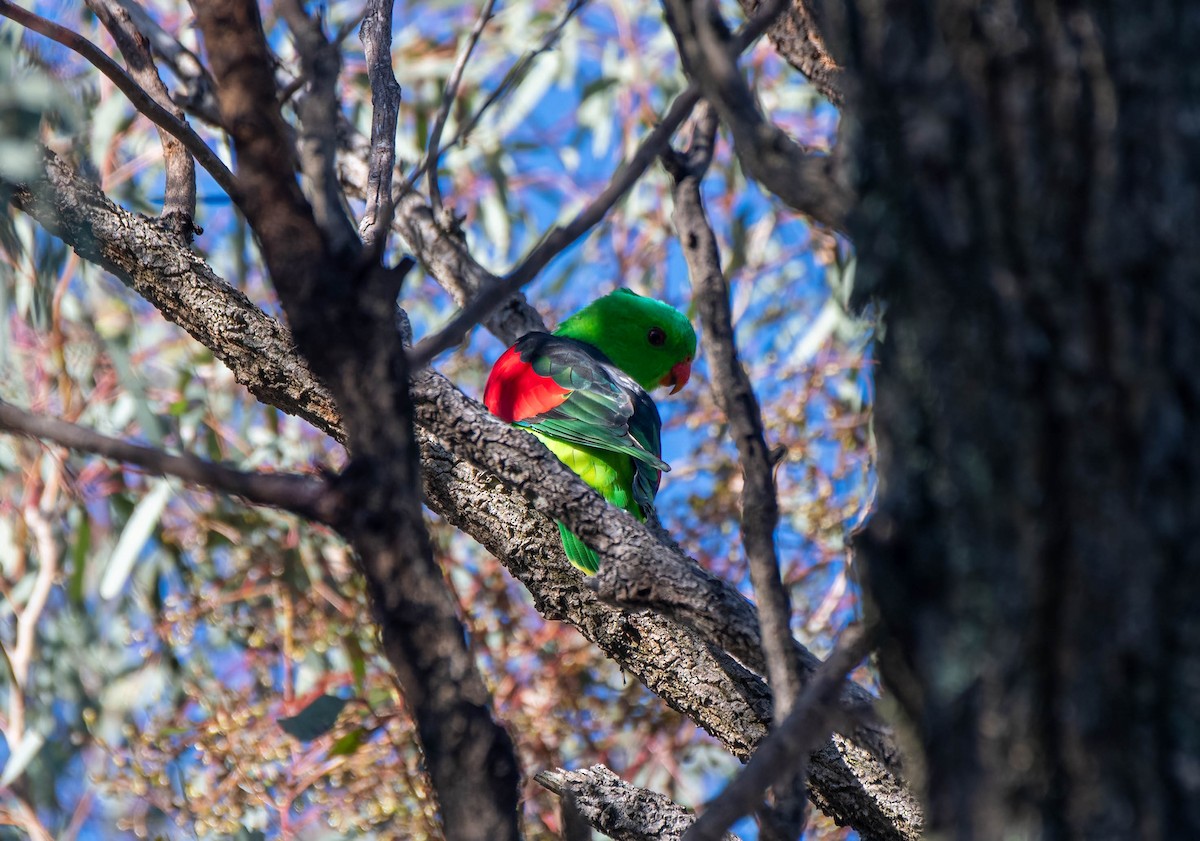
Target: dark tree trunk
{"x": 1028, "y": 176}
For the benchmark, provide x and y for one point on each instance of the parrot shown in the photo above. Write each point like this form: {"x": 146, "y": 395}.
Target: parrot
{"x": 583, "y": 392}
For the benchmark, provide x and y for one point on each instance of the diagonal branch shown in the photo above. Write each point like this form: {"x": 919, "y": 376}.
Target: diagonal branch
{"x": 806, "y": 181}
{"x": 141, "y": 100}
{"x": 790, "y": 744}
{"x": 197, "y": 94}
{"x": 433, "y": 148}
{"x": 307, "y": 496}
{"x": 511, "y": 79}
{"x": 621, "y": 811}
{"x": 796, "y": 35}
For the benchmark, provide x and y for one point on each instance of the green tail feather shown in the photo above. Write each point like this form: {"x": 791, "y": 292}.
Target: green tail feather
{"x": 578, "y": 552}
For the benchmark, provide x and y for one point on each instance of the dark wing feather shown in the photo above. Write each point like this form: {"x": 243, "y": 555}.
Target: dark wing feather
{"x": 603, "y": 408}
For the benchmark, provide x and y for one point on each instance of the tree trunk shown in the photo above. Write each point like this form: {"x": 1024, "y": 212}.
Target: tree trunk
{"x": 1028, "y": 180}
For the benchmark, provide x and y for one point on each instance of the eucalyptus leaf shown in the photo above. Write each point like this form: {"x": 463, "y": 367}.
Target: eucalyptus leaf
{"x": 137, "y": 531}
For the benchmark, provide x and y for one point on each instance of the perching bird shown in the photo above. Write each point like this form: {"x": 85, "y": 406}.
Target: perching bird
{"x": 582, "y": 392}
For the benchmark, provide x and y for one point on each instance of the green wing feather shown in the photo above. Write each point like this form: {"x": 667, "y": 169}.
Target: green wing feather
{"x": 607, "y": 429}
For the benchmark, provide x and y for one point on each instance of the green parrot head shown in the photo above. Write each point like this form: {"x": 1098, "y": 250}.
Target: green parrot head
{"x": 650, "y": 341}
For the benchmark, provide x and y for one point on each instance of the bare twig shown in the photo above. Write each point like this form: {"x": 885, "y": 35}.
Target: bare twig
{"x": 432, "y": 153}
{"x": 376, "y": 37}
{"x": 621, "y": 811}
{"x": 305, "y": 495}
{"x": 318, "y": 109}
{"x": 179, "y": 202}
{"x": 141, "y": 100}
{"x": 510, "y": 80}
{"x": 786, "y": 750}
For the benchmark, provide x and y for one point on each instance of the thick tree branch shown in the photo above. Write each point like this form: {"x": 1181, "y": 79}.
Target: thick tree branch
{"x": 179, "y": 203}
{"x": 621, "y": 811}
{"x": 344, "y": 323}
{"x": 141, "y": 100}
{"x": 678, "y": 665}
{"x": 808, "y": 182}
{"x": 307, "y": 496}
{"x": 796, "y": 35}
{"x": 376, "y": 37}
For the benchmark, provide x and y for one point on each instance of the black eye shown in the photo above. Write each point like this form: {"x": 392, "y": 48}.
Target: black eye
{"x": 656, "y": 337}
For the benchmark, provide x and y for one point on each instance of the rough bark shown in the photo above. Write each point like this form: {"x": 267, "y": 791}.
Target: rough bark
{"x": 619, "y": 810}
{"x": 1029, "y": 191}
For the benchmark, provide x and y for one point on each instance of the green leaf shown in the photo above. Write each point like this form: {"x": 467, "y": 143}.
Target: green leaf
{"x": 346, "y": 745}
{"x": 79, "y": 556}
{"x": 314, "y": 720}
{"x": 358, "y": 663}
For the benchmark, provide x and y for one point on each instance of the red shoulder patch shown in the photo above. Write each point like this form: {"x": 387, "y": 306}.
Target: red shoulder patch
{"x": 514, "y": 392}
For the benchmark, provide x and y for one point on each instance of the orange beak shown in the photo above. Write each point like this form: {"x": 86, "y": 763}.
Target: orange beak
{"x": 678, "y": 376}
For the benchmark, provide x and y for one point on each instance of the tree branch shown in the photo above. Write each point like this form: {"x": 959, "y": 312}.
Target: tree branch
{"x": 307, "y": 496}
{"x": 179, "y": 202}
{"x": 621, "y": 811}
{"x": 151, "y": 262}
{"x": 141, "y": 100}
{"x": 198, "y": 95}
{"x": 796, "y": 36}
{"x": 318, "y": 109}
{"x": 376, "y": 37}
{"x": 735, "y": 396}
{"x": 790, "y": 744}
{"x": 432, "y": 151}
{"x": 806, "y": 181}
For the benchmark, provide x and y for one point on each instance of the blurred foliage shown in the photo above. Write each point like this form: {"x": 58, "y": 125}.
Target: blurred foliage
{"x": 164, "y": 648}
